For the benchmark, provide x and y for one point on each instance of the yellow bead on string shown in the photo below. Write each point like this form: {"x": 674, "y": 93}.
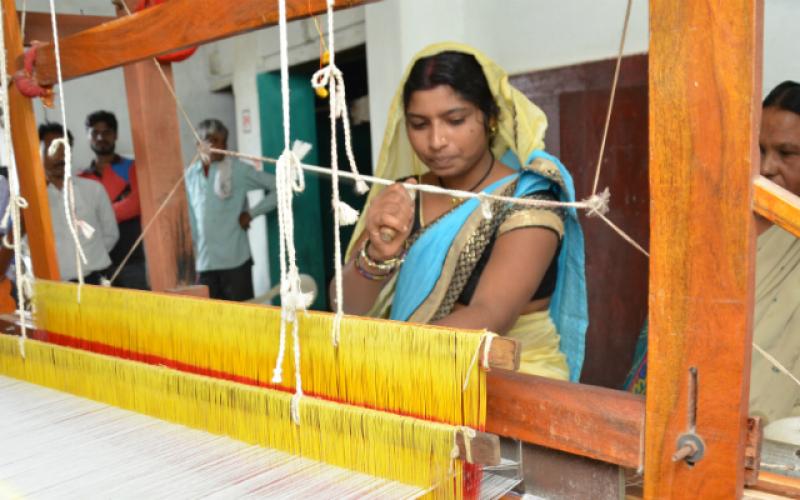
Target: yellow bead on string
{"x": 324, "y": 60}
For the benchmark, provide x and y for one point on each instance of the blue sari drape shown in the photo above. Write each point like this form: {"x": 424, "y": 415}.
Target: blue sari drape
{"x": 568, "y": 306}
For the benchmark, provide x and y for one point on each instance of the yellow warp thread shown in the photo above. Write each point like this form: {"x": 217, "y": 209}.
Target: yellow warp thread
{"x": 381, "y": 444}
{"x": 412, "y": 369}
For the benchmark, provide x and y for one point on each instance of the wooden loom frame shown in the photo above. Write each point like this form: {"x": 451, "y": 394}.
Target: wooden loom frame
{"x": 703, "y": 162}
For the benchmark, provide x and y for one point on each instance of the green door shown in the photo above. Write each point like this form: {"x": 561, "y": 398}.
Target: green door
{"x": 308, "y": 234}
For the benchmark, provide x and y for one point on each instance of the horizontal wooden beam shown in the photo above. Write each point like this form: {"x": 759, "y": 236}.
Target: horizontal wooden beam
{"x": 38, "y": 25}
{"x": 778, "y": 484}
{"x": 777, "y": 204}
{"x": 584, "y": 420}
{"x": 172, "y": 25}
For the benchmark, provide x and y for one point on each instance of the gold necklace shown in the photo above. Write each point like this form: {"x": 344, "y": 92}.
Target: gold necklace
{"x": 455, "y": 200}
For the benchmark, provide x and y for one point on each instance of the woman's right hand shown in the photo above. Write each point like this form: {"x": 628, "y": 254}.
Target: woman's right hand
{"x": 390, "y": 218}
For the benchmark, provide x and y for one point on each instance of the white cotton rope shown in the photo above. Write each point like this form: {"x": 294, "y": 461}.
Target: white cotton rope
{"x": 611, "y": 98}
{"x": 484, "y": 347}
{"x": 331, "y": 76}
{"x": 289, "y": 178}
{"x": 23, "y": 19}
{"x": 777, "y": 364}
{"x": 68, "y": 192}
{"x": 343, "y": 214}
{"x": 596, "y": 203}
{"x": 116, "y": 453}
{"x": 16, "y": 201}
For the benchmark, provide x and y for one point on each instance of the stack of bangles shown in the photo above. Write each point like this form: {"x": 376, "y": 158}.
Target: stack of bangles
{"x": 378, "y": 270}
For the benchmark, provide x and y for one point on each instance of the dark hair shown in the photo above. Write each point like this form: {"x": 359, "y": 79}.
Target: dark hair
{"x": 53, "y": 128}
{"x": 461, "y": 72}
{"x": 211, "y": 126}
{"x": 785, "y": 96}
{"x": 106, "y": 117}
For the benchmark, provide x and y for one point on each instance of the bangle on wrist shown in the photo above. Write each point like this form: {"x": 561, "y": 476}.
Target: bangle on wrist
{"x": 387, "y": 265}
{"x": 368, "y": 274}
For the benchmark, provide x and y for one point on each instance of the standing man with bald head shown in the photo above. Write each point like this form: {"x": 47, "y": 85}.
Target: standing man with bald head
{"x": 220, "y": 215}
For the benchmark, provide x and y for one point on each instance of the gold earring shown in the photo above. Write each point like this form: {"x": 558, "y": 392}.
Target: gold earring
{"x": 493, "y": 129}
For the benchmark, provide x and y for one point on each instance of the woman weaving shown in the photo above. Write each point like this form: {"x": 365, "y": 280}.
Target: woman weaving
{"x": 435, "y": 259}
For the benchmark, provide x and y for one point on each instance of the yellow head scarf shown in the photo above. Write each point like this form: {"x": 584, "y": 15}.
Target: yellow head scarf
{"x": 520, "y": 128}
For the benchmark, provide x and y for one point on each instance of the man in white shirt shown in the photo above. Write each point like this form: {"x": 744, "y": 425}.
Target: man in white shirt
{"x": 97, "y": 226}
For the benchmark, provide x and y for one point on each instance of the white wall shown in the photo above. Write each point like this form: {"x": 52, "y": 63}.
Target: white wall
{"x": 520, "y": 35}
{"x": 245, "y": 91}
{"x": 781, "y": 45}
{"x": 528, "y": 35}
{"x": 106, "y": 90}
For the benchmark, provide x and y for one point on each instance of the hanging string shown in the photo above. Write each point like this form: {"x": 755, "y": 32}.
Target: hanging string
{"x": 68, "y": 188}
{"x": 332, "y": 77}
{"x": 289, "y": 178}
{"x": 336, "y": 97}
{"x": 606, "y": 127}
{"x": 23, "y": 19}
{"x": 613, "y": 94}
{"x": 777, "y": 364}
{"x": 16, "y": 201}
{"x": 484, "y": 347}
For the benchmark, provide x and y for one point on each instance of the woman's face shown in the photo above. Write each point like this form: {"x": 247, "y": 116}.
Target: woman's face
{"x": 446, "y": 131}
{"x": 780, "y": 147}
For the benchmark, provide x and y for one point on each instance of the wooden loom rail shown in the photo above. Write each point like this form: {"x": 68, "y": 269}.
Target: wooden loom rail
{"x": 703, "y": 157}
{"x": 162, "y": 28}
{"x": 584, "y": 420}
{"x": 777, "y": 204}
{"x": 778, "y": 484}
{"x": 38, "y": 27}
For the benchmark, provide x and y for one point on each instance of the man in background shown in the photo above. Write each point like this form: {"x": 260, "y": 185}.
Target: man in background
{"x": 92, "y": 209}
{"x": 219, "y": 214}
{"x": 118, "y": 176}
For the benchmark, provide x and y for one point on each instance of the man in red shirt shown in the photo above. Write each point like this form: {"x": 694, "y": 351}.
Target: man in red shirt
{"x": 118, "y": 176}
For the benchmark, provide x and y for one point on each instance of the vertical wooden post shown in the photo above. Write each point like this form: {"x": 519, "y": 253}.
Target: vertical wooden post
{"x": 33, "y": 185}
{"x": 705, "y": 81}
{"x": 159, "y": 165}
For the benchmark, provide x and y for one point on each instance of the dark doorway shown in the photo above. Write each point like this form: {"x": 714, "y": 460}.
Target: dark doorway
{"x": 575, "y": 99}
